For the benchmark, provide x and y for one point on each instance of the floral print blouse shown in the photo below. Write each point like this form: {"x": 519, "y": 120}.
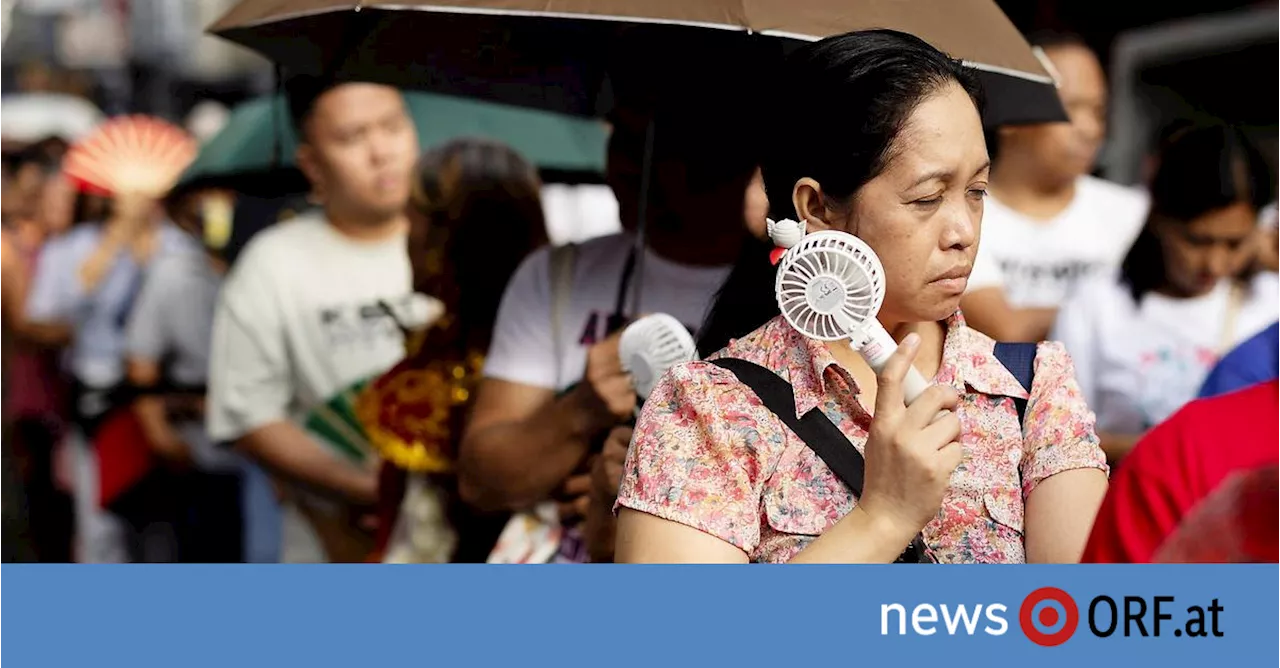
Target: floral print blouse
{"x": 709, "y": 455}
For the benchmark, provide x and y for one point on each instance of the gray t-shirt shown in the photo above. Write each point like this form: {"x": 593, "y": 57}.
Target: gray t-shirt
{"x": 172, "y": 324}
{"x": 298, "y": 320}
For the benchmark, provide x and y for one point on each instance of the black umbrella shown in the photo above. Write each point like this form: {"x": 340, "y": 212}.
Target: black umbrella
{"x": 554, "y": 54}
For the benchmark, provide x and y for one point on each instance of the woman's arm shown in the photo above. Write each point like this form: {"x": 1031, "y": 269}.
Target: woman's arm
{"x": 1059, "y": 515}
{"x": 858, "y": 538}
{"x": 13, "y": 304}
{"x": 160, "y": 434}
{"x": 1064, "y": 471}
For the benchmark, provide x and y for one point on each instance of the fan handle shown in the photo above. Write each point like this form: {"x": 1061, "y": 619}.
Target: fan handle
{"x": 873, "y": 342}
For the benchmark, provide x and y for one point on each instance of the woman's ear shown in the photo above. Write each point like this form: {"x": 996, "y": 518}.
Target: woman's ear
{"x": 806, "y": 197}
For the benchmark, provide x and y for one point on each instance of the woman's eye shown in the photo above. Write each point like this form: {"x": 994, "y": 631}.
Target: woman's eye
{"x": 977, "y": 193}
{"x": 929, "y": 201}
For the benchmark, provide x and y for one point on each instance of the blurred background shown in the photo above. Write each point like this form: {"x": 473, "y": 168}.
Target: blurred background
{"x": 1166, "y": 60}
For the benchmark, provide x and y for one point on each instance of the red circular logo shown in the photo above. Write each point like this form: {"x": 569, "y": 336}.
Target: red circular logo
{"x": 1048, "y": 616}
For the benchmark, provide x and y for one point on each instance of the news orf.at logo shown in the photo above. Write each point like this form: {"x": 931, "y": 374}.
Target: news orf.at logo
{"x": 1048, "y": 616}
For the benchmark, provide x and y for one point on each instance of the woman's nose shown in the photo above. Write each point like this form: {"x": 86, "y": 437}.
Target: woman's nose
{"x": 960, "y": 228}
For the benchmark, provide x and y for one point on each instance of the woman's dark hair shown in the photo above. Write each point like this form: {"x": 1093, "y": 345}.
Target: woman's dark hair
{"x": 1201, "y": 169}
{"x": 483, "y": 211}
{"x": 863, "y": 86}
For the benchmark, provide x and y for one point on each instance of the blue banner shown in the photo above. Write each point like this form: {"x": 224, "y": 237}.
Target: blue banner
{"x": 656, "y": 616}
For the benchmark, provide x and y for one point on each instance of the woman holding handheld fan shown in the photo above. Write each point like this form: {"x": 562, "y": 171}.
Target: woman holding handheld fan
{"x": 877, "y": 135}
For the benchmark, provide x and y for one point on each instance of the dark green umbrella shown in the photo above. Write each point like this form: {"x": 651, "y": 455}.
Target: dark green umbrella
{"x": 254, "y": 151}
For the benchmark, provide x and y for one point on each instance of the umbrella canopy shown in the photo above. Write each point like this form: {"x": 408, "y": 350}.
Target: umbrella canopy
{"x": 551, "y": 54}
{"x": 32, "y": 117}
{"x": 259, "y": 140}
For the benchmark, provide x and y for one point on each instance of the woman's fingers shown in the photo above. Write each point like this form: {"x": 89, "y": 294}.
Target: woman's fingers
{"x": 940, "y": 432}
{"x": 924, "y": 411}
{"x": 889, "y": 381}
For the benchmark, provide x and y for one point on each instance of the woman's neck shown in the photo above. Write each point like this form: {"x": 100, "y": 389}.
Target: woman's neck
{"x": 928, "y": 358}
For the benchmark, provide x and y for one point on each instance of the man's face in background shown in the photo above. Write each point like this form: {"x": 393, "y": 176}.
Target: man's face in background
{"x": 359, "y": 151}
{"x": 1066, "y": 151}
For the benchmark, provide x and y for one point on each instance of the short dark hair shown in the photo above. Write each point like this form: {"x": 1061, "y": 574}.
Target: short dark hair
{"x": 301, "y": 93}
{"x": 871, "y": 81}
{"x": 1201, "y": 169}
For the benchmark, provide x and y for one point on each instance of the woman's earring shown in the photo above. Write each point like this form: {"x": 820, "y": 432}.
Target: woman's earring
{"x": 785, "y": 234}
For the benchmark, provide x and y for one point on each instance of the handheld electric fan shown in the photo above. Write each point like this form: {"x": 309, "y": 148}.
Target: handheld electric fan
{"x": 652, "y": 345}
{"x": 830, "y": 285}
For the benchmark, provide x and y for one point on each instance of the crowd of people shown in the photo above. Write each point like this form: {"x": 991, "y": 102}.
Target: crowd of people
{"x": 407, "y": 371}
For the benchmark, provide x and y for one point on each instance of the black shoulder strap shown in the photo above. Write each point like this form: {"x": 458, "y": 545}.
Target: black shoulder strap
{"x": 1020, "y": 360}
{"x": 823, "y": 437}
{"x": 817, "y": 431}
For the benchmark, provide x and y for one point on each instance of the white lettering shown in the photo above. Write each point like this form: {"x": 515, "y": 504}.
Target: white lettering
{"x": 884, "y": 619}
{"x": 926, "y": 614}
{"x": 996, "y": 619}
{"x": 963, "y": 619}
{"x": 961, "y": 615}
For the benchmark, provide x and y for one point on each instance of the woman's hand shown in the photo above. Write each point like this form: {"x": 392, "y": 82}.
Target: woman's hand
{"x": 910, "y": 455}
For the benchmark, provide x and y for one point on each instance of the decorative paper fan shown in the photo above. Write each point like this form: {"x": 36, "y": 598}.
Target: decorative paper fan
{"x": 131, "y": 154}
{"x": 337, "y": 425}
{"x": 409, "y": 413}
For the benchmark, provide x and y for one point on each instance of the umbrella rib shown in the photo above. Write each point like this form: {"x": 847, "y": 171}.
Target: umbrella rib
{"x": 1009, "y": 72}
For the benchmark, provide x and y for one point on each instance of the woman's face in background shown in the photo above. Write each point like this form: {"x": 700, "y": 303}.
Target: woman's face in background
{"x": 756, "y": 208}
{"x": 57, "y": 204}
{"x": 922, "y": 214}
{"x": 1214, "y": 246}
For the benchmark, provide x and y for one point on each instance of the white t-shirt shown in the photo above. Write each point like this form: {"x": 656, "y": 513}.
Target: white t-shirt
{"x": 523, "y": 350}
{"x": 298, "y": 320}
{"x": 1038, "y": 262}
{"x": 1139, "y": 363}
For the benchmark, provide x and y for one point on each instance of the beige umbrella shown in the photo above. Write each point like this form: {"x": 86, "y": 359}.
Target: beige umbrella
{"x": 553, "y": 54}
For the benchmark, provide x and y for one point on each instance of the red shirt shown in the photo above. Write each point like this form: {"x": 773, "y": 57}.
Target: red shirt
{"x": 1179, "y": 464}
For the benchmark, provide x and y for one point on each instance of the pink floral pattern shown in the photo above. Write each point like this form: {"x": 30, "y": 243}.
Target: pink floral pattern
{"x": 709, "y": 455}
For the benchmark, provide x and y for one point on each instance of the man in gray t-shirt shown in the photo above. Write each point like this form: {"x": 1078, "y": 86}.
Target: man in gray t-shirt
{"x": 302, "y": 315}
{"x": 167, "y": 342}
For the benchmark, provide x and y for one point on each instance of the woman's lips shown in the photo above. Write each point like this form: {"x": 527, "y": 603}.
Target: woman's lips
{"x": 952, "y": 285}
{"x": 954, "y": 281}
